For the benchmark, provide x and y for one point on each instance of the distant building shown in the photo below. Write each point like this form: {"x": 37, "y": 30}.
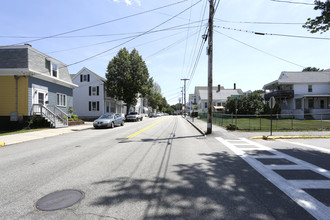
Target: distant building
{"x": 90, "y": 98}
{"x": 304, "y": 94}
{"x": 220, "y": 96}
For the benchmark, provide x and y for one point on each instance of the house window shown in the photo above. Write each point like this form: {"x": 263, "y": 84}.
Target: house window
{"x": 94, "y": 106}
{"x": 298, "y": 103}
{"x": 61, "y": 99}
{"x": 321, "y": 103}
{"x": 205, "y": 105}
{"x": 310, "y": 88}
{"x": 310, "y": 103}
{"x": 54, "y": 70}
{"x": 84, "y": 78}
{"x": 94, "y": 90}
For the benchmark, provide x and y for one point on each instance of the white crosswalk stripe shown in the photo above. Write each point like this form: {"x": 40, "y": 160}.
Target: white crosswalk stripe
{"x": 292, "y": 188}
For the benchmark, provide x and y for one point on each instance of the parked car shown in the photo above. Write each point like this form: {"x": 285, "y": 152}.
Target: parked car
{"x": 109, "y": 121}
{"x": 134, "y": 116}
{"x": 152, "y": 114}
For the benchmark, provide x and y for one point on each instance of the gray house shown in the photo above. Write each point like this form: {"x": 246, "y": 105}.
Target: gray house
{"x": 33, "y": 83}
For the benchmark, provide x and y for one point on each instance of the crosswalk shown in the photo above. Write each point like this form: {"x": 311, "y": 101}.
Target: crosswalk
{"x": 283, "y": 171}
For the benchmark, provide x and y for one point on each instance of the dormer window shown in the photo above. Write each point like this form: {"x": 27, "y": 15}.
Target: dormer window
{"x": 54, "y": 70}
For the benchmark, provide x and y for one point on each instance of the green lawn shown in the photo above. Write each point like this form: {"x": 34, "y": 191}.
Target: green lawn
{"x": 263, "y": 124}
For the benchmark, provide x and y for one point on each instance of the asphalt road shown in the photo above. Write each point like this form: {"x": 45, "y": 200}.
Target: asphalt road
{"x": 161, "y": 168}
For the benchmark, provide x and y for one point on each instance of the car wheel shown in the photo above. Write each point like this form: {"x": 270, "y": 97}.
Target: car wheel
{"x": 122, "y": 123}
{"x": 112, "y": 125}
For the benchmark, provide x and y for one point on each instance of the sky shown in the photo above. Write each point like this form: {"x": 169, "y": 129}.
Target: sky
{"x": 168, "y": 36}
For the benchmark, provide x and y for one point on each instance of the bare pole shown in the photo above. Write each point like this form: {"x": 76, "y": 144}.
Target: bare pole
{"x": 184, "y": 96}
{"x": 210, "y": 69}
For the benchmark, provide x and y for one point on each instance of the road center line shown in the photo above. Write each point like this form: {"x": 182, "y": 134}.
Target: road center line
{"x": 142, "y": 130}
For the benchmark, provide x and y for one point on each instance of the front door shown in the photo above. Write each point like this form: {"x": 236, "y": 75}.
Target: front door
{"x": 39, "y": 94}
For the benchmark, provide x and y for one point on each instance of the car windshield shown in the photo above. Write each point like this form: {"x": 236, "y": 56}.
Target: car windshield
{"x": 106, "y": 116}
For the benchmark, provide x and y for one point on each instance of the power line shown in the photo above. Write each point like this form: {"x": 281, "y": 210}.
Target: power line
{"x": 146, "y": 32}
{"x": 259, "y": 22}
{"x": 260, "y": 50}
{"x": 272, "y": 34}
{"x": 99, "y": 24}
{"x": 119, "y": 39}
{"x": 291, "y": 2}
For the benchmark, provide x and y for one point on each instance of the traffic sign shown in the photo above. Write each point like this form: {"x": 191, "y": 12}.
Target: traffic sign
{"x": 272, "y": 102}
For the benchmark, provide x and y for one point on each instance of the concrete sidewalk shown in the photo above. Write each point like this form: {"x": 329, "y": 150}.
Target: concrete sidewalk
{"x": 28, "y": 136}
{"x": 201, "y": 126}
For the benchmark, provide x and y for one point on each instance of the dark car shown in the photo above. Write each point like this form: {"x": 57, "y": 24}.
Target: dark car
{"x": 109, "y": 121}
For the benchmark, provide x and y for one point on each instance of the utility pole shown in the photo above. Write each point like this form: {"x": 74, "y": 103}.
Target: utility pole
{"x": 210, "y": 69}
{"x": 184, "y": 89}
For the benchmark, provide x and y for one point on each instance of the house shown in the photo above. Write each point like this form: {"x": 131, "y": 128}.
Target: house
{"x": 304, "y": 95}
{"x": 90, "y": 98}
{"x": 219, "y": 95}
{"x": 33, "y": 83}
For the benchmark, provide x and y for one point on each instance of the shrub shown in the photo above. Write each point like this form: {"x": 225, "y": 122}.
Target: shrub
{"x": 231, "y": 127}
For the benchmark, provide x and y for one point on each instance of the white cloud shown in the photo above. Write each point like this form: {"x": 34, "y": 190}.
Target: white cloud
{"x": 129, "y": 2}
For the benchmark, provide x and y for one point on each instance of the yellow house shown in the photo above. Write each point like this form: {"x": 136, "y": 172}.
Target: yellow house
{"x": 32, "y": 82}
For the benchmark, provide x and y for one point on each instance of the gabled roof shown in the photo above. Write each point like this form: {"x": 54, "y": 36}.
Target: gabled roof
{"x": 90, "y": 72}
{"x": 221, "y": 95}
{"x": 301, "y": 77}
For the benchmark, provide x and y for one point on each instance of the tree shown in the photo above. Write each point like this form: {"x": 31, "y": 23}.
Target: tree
{"x": 127, "y": 76}
{"x": 312, "y": 69}
{"x": 320, "y": 23}
{"x": 248, "y": 104}
{"x": 155, "y": 97}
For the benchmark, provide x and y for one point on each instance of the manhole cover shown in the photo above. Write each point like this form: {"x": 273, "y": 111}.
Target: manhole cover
{"x": 59, "y": 200}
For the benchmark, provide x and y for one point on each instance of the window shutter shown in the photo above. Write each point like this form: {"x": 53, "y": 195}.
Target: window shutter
{"x": 98, "y": 106}
{"x": 81, "y": 78}
{"x": 90, "y": 91}
{"x": 88, "y": 77}
{"x": 90, "y": 106}
{"x": 97, "y": 92}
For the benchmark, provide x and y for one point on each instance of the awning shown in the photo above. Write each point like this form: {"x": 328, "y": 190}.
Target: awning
{"x": 219, "y": 107}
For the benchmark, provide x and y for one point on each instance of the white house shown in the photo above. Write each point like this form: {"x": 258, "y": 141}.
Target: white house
{"x": 304, "y": 94}
{"x": 90, "y": 99}
{"x": 219, "y": 94}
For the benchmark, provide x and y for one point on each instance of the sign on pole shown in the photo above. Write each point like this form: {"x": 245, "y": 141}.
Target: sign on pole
{"x": 272, "y": 102}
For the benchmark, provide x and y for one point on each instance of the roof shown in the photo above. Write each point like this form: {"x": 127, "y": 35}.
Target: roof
{"x": 221, "y": 95}
{"x": 91, "y": 72}
{"x": 301, "y": 77}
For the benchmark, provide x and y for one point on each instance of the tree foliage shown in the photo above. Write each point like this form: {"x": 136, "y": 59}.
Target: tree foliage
{"x": 127, "y": 76}
{"x": 248, "y": 104}
{"x": 312, "y": 69}
{"x": 320, "y": 23}
{"x": 155, "y": 97}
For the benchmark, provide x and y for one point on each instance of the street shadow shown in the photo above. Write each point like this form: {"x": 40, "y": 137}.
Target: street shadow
{"x": 219, "y": 186}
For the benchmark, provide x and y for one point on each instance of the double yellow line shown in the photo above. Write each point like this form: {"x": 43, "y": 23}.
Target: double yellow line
{"x": 142, "y": 130}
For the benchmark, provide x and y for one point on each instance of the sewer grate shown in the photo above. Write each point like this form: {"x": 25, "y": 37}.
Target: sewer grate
{"x": 59, "y": 200}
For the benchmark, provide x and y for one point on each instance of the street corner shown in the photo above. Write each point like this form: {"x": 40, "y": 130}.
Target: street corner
{"x": 2, "y": 144}
{"x": 290, "y": 137}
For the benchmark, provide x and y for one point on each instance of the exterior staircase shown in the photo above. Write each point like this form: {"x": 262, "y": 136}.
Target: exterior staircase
{"x": 54, "y": 115}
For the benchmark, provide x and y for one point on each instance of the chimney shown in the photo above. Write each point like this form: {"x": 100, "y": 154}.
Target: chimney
{"x": 234, "y": 85}
{"x": 218, "y": 88}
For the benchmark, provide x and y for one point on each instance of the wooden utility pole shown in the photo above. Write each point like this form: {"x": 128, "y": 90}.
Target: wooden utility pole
{"x": 210, "y": 69}
{"x": 184, "y": 96}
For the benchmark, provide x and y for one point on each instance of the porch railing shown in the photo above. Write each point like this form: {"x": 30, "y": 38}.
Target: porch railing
{"x": 53, "y": 114}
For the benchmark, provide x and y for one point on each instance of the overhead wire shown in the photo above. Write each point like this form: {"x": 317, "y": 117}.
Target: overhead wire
{"x": 260, "y": 22}
{"x": 144, "y": 33}
{"x": 291, "y": 2}
{"x": 102, "y": 23}
{"x": 269, "y": 54}
{"x": 273, "y": 34}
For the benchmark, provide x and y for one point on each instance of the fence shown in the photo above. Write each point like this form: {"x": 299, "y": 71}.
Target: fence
{"x": 281, "y": 122}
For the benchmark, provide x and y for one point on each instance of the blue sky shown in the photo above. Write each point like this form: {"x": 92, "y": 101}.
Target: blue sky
{"x": 169, "y": 38}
